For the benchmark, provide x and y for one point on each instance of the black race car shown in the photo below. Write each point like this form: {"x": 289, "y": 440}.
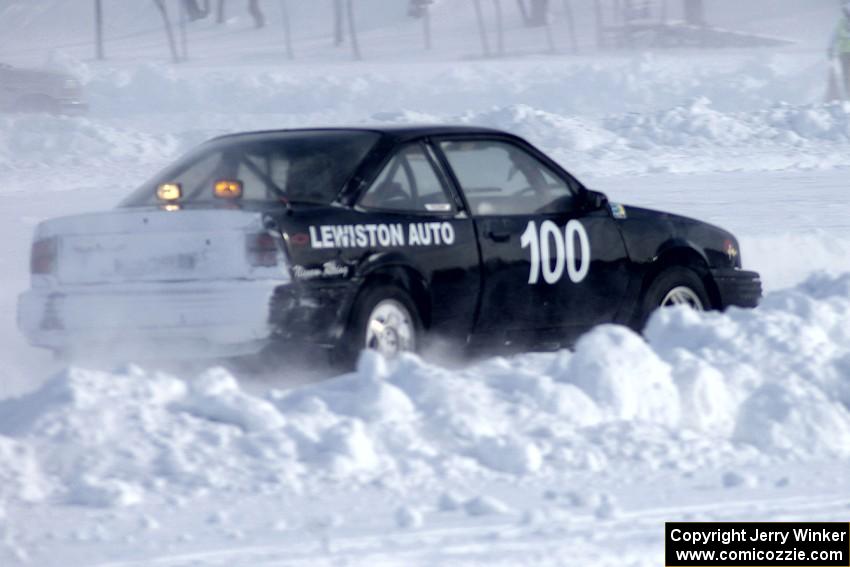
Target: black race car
{"x": 366, "y": 238}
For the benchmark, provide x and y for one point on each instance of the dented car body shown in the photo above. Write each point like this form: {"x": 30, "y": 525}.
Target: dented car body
{"x": 366, "y": 238}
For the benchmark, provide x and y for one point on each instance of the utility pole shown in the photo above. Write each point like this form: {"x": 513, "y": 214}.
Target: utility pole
{"x": 98, "y": 30}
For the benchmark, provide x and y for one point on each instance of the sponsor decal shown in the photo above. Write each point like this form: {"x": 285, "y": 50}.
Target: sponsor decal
{"x": 551, "y": 243}
{"x": 618, "y": 211}
{"x": 382, "y": 235}
{"x": 330, "y": 269}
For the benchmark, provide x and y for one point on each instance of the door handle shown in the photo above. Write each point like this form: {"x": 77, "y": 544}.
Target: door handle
{"x": 498, "y": 236}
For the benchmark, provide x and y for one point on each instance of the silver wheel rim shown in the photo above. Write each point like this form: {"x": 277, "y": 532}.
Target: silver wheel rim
{"x": 683, "y": 295}
{"x": 390, "y": 329}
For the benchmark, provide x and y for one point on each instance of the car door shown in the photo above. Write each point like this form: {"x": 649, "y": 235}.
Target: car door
{"x": 439, "y": 242}
{"x": 550, "y": 263}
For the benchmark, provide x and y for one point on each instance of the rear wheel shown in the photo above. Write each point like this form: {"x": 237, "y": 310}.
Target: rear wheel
{"x": 390, "y": 329}
{"x": 674, "y": 286}
{"x": 385, "y": 320}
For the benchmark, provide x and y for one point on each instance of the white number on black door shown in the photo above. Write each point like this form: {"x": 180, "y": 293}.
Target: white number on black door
{"x": 552, "y": 251}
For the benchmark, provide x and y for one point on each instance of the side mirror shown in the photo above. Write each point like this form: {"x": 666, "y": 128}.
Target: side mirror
{"x": 595, "y": 200}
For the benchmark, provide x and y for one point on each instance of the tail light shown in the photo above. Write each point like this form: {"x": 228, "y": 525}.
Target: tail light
{"x": 262, "y": 250}
{"x": 44, "y": 256}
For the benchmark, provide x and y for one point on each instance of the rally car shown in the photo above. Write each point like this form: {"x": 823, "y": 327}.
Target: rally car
{"x": 32, "y": 90}
{"x": 366, "y": 238}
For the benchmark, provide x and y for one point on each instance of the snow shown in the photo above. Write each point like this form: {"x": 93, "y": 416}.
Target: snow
{"x": 484, "y": 506}
{"x": 759, "y": 391}
{"x": 514, "y": 460}
{"x": 702, "y": 392}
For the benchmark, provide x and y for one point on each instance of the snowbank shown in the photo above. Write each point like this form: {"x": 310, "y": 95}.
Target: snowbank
{"x": 691, "y": 138}
{"x": 45, "y": 141}
{"x": 568, "y": 86}
{"x": 699, "y": 124}
{"x": 705, "y": 390}
{"x": 646, "y": 127}
{"x": 687, "y": 139}
{"x": 598, "y": 117}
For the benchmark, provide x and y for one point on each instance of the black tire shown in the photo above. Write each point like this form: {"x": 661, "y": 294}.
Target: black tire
{"x": 664, "y": 283}
{"x": 355, "y": 338}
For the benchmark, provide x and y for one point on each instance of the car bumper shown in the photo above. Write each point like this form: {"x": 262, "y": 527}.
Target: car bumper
{"x": 738, "y": 288}
{"x": 177, "y": 321}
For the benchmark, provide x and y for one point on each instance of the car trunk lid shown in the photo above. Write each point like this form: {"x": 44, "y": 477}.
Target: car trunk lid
{"x": 155, "y": 245}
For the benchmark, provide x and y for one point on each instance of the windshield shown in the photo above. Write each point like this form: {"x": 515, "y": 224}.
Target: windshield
{"x": 298, "y": 166}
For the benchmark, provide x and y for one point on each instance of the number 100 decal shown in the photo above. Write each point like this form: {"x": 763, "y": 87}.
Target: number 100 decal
{"x": 564, "y": 254}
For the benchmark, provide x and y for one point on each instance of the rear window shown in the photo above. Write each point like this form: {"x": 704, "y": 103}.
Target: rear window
{"x": 303, "y": 166}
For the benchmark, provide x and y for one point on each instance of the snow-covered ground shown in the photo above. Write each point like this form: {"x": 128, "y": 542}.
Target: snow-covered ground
{"x": 538, "y": 459}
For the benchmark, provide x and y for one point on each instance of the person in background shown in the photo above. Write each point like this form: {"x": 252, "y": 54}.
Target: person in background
{"x": 839, "y": 52}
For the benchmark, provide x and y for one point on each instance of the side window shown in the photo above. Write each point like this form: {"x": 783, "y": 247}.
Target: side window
{"x": 250, "y": 171}
{"x": 260, "y": 172}
{"x": 408, "y": 183}
{"x": 499, "y": 178}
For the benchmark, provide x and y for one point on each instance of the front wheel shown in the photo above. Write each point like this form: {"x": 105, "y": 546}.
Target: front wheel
{"x": 672, "y": 287}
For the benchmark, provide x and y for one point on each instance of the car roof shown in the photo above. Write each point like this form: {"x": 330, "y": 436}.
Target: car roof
{"x": 399, "y": 132}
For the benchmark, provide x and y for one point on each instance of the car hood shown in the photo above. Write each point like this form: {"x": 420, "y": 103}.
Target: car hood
{"x": 643, "y": 213}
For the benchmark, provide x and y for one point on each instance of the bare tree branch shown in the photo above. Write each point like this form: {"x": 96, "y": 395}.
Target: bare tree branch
{"x": 482, "y": 27}
{"x": 571, "y": 25}
{"x": 98, "y": 29}
{"x": 169, "y": 31}
{"x": 352, "y": 31}
{"x": 287, "y": 29}
{"x": 500, "y": 27}
{"x": 257, "y": 13}
{"x": 339, "y": 17}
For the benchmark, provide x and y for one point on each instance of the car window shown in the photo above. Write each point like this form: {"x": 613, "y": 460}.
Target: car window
{"x": 299, "y": 166}
{"x": 499, "y": 178}
{"x": 408, "y": 183}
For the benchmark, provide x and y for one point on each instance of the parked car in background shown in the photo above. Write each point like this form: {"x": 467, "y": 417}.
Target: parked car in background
{"x": 33, "y": 90}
